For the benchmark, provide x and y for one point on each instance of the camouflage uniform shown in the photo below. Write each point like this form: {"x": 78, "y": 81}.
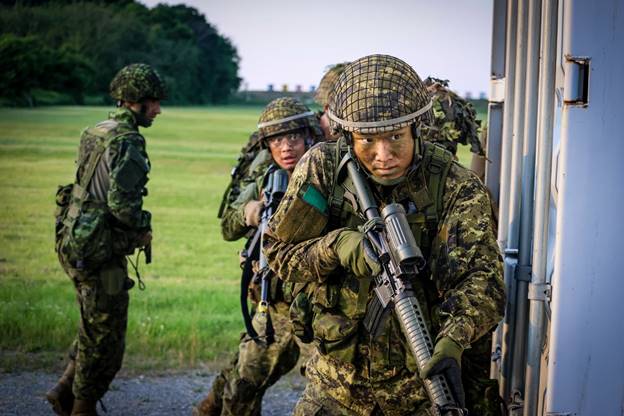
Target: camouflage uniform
{"x": 102, "y": 293}
{"x": 240, "y": 387}
{"x": 256, "y": 366}
{"x": 455, "y": 119}
{"x": 100, "y": 220}
{"x": 233, "y": 225}
{"x": 461, "y": 291}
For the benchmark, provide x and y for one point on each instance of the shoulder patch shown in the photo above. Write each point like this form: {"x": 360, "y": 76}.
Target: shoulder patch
{"x": 309, "y": 194}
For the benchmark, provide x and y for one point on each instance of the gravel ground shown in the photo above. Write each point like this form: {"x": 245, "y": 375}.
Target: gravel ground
{"x": 23, "y": 393}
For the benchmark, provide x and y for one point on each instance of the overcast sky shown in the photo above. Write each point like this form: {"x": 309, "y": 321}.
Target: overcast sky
{"x": 292, "y": 42}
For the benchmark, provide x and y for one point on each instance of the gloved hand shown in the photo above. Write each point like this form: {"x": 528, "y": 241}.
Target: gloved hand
{"x": 446, "y": 360}
{"x": 144, "y": 239}
{"x": 252, "y": 212}
{"x": 356, "y": 254}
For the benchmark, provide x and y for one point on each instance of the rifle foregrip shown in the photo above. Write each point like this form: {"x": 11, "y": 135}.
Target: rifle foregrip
{"x": 415, "y": 330}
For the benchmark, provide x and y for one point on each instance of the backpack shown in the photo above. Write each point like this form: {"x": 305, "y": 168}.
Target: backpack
{"x": 82, "y": 232}
{"x": 247, "y": 155}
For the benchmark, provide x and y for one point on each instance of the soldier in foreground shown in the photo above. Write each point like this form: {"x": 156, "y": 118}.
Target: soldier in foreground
{"x": 100, "y": 221}
{"x": 318, "y": 236}
{"x": 321, "y": 96}
{"x": 286, "y": 128}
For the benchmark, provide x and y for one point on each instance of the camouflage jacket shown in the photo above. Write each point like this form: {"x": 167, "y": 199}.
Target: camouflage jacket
{"x": 462, "y": 292}
{"x": 121, "y": 175}
{"x": 233, "y": 224}
{"x": 116, "y": 188}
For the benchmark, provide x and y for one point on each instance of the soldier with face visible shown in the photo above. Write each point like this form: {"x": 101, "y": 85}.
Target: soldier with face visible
{"x": 286, "y": 129}
{"x": 316, "y": 238}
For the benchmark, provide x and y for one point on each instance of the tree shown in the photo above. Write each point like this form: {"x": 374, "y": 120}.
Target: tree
{"x": 85, "y": 43}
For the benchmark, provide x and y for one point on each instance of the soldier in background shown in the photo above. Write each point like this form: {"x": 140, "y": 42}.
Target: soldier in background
{"x": 286, "y": 129}
{"x": 100, "y": 221}
{"x": 454, "y": 119}
{"x": 315, "y": 237}
{"x": 321, "y": 96}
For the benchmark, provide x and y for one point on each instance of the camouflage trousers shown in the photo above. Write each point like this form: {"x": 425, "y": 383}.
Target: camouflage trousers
{"x": 256, "y": 367}
{"x": 99, "y": 346}
{"x": 338, "y": 389}
{"x": 335, "y": 388}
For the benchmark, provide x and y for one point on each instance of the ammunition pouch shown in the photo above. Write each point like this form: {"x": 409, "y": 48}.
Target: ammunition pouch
{"x": 301, "y": 316}
{"x": 113, "y": 278}
{"x": 336, "y": 335}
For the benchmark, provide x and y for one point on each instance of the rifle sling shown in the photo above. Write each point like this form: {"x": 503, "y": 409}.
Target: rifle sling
{"x": 253, "y": 250}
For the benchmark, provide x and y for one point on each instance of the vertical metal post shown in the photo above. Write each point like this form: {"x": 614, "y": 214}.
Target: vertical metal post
{"x": 495, "y": 131}
{"x": 538, "y": 290}
{"x": 525, "y": 237}
{"x": 510, "y": 189}
{"x": 507, "y": 135}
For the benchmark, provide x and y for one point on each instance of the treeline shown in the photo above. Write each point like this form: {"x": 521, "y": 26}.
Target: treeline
{"x": 68, "y": 51}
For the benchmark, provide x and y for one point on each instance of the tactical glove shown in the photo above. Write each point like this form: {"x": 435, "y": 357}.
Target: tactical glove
{"x": 356, "y": 254}
{"x": 252, "y": 213}
{"x": 144, "y": 239}
{"x": 446, "y": 360}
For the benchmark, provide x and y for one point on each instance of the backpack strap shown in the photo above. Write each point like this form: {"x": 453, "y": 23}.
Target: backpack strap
{"x": 337, "y": 195}
{"x": 80, "y": 189}
{"x": 436, "y": 162}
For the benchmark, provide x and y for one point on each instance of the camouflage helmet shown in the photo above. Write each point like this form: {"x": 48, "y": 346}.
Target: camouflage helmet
{"x": 284, "y": 115}
{"x": 326, "y": 85}
{"x": 136, "y": 82}
{"x": 377, "y": 94}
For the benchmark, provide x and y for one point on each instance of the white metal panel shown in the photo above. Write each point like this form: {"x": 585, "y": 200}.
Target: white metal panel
{"x": 586, "y": 363}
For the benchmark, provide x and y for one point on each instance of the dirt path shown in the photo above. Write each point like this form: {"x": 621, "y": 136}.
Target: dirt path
{"x": 22, "y": 393}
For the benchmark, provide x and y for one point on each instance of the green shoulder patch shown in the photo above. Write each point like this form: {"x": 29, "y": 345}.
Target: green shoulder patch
{"x": 309, "y": 194}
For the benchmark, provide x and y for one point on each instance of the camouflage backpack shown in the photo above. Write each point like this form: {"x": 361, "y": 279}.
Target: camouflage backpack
{"x": 248, "y": 154}
{"x": 83, "y": 236}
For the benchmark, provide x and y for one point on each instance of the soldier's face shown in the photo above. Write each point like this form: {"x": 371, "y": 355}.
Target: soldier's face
{"x": 152, "y": 109}
{"x": 148, "y": 109}
{"x": 287, "y": 149}
{"x": 386, "y": 155}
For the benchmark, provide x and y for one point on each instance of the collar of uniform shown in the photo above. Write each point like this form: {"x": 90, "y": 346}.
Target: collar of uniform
{"x": 413, "y": 188}
{"x": 124, "y": 115}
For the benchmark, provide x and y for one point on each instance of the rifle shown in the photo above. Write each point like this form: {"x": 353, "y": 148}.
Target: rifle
{"x": 401, "y": 260}
{"x": 273, "y": 191}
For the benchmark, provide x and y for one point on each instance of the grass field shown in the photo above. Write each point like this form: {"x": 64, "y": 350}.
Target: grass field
{"x": 189, "y": 314}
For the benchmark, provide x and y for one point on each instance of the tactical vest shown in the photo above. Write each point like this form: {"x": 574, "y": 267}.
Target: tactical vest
{"x": 83, "y": 233}
{"x": 335, "y": 311}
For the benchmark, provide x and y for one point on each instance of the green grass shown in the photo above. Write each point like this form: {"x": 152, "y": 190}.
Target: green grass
{"x": 189, "y": 313}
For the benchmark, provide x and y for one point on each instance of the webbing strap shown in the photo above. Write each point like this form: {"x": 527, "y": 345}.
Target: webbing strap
{"x": 437, "y": 163}
{"x": 94, "y": 159}
{"x": 336, "y": 196}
